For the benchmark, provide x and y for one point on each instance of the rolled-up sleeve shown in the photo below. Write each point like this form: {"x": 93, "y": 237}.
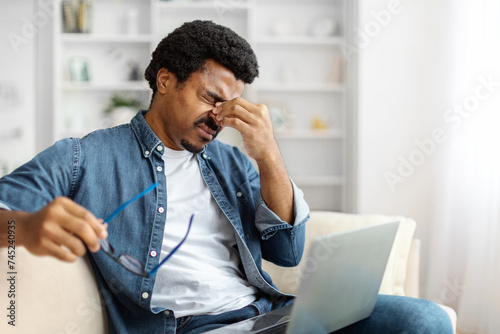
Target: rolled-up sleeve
{"x": 4, "y": 206}
{"x": 268, "y": 223}
{"x": 282, "y": 243}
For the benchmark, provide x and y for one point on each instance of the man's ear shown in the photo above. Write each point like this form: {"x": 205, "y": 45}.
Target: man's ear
{"x": 164, "y": 78}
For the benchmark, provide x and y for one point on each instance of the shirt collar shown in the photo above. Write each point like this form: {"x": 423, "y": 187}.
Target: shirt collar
{"x": 148, "y": 139}
{"x": 145, "y": 136}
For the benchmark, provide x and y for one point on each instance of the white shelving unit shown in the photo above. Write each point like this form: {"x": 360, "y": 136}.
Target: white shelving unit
{"x": 302, "y": 75}
{"x": 109, "y": 51}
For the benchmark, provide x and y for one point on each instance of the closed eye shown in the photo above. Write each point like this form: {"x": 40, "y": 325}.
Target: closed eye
{"x": 209, "y": 100}
{"x": 214, "y": 97}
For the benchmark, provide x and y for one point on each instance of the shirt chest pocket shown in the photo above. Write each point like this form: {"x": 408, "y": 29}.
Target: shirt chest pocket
{"x": 246, "y": 203}
{"x": 244, "y": 198}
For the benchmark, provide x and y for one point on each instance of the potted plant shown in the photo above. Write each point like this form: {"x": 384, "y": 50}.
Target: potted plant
{"x": 121, "y": 109}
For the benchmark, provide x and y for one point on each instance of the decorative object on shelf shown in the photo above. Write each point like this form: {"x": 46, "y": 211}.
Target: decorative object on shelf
{"x": 79, "y": 69}
{"x": 323, "y": 27}
{"x": 283, "y": 27}
{"x": 121, "y": 109}
{"x": 278, "y": 112}
{"x": 84, "y": 16}
{"x": 135, "y": 72}
{"x": 76, "y": 20}
{"x": 69, "y": 17}
{"x": 319, "y": 123}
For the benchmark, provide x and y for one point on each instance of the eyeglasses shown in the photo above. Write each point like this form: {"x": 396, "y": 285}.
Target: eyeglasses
{"x": 129, "y": 262}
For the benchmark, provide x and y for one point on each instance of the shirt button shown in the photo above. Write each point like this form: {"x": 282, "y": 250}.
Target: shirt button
{"x": 145, "y": 295}
{"x": 239, "y": 194}
{"x": 146, "y": 153}
{"x": 161, "y": 209}
{"x": 204, "y": 156}
{"x": 159, "y": 148}
{"x": 153, "y": 253}
{"x": 167, "y": 312}
{"x": 159, "y": 168}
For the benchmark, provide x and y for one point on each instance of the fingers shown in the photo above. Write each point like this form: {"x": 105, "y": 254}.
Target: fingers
{"x": 62, "y": 229}
{"x": 239, "y": 108}
{"x": 252, "y": 120}
{"x": 87, "y": 217}
{"x": 61, "y": 236}
{"x": 78, "y": 221}
{"x": 236, "y": 123}
{"x": 60, "y": 253}
{"x": 240, "y": 101}
{"x": 253, "y": 114}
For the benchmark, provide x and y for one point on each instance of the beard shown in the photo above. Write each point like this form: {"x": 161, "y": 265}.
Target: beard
{"x": 209, "y": 122}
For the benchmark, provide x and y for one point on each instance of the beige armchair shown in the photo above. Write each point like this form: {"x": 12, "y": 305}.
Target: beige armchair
{"x": 401, "y": 276}
{"x": 56, "y": 297}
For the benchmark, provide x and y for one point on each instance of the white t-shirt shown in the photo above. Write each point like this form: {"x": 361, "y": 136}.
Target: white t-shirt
{"x": 202, "y": 277}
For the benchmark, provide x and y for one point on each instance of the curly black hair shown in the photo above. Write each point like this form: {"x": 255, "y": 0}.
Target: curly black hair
{"x": 186, "y": 50}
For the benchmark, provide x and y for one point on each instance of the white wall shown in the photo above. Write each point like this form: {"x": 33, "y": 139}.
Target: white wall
{"x": 403, "y": 69}
{"x": 17, "y": 85}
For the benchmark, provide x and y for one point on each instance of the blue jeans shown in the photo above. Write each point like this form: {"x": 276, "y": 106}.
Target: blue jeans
{"x": 392, "y": 314}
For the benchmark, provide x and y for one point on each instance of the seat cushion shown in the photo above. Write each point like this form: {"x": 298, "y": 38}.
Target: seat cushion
{"x": 53, "y": 296}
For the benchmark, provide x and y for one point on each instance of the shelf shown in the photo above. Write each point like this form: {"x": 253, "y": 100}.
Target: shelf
{"x": 112, "y": 86}
{"x": 291, "y": 134}
{"x": 204, "y": 5}
{"x": 97, "y": 38}
{"x": 301, "y": 40}
{"x": 301, "y": 72}
{"x": 302, "y": 87}
{"x": 318, "y": 180}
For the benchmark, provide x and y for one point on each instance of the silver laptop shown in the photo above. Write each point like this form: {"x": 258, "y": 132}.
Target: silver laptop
{"x": 339, "y": 284}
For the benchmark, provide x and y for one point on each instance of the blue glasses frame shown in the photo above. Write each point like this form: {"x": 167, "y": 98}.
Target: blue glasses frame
{"x": 128, "y": 261}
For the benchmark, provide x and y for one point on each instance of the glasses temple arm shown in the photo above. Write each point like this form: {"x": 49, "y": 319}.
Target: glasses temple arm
{"x": 124, "y": 205}
{"x": 173, "y": 250}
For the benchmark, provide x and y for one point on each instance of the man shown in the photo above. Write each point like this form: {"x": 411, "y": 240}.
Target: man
{"x": 197, "y": 74}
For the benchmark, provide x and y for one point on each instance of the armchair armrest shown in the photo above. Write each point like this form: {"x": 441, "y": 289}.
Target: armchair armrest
{"x": 413, "y": 270}
{"x": 52, "y": 296}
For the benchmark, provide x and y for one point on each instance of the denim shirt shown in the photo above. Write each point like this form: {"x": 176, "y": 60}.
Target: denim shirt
{"x": 108, "y": 167}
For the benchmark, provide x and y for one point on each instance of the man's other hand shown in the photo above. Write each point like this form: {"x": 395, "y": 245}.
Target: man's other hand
{"x": 61, "y": 229}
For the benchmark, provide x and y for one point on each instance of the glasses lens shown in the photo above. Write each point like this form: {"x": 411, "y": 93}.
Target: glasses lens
{"x": 105, "y": 246}
{"x": 131, "y": 263}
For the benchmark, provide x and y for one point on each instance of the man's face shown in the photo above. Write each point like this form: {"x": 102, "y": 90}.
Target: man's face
{"x": 185, "y": 110}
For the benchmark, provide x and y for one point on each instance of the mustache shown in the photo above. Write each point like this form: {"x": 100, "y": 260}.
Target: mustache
{"x": 208, "y": 121}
